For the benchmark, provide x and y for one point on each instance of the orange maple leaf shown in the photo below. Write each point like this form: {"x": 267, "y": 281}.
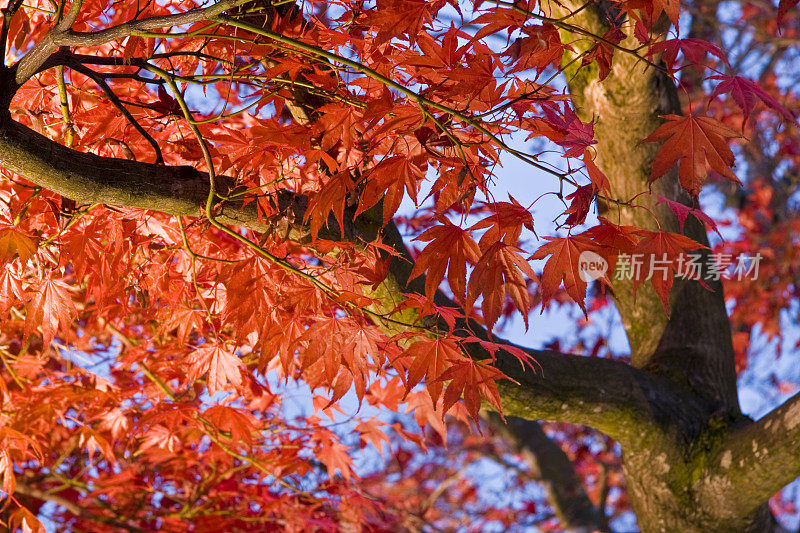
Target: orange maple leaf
{"x": 581, "y": 203}
{"x": 472, "y": 380}
{"x": 182, "y": 318}
{"x": 331, "y": 197}
{"x": 598, "y": 178}
{"x": 50, "y": 307}
{"x": 239, "y": 423}
{"x": 221, "y": 365}
{"x": 431, "y": 358}
{"x": 692, "y": 142}
{"x": 664, "y": 249}
{"x": 333, "y": 454}
{"x": 11, "y": 291}
{"x": 564, "y": 265}
{"x": 388, "y": 181}
{"x": 499, "y": 272}
{"x": 505, "y": 224}
{"x": 370, "y": 431}
{"x": 14, "y": 242}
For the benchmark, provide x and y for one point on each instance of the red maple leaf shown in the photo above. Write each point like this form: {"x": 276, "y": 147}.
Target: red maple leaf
{"x": 472, "y": 380}
{"x": 693, "y": 142}
{"x": 24, "y": 520}
{"x": 360, "y": 343}
{"x": 745, "y": 93}
{"x": 340, "y": 125}
{"x": 603, "y": 52}
{"x": 370, "y": 432}
{"x": 11, "y": 291}
{"x": 694, "y": 50}
{"x": 581, "y": 203}
{"x": 671, "y": 7}
{"x": 388, "y": 181}
{"x": 569, "y": 131}
{"x": 612, "y": 238}
{"x": 330, "y": 197}
{"x": 597, "y": 177}
{"x": 240, "y": 424}
{"x": 450, "y": 248}
{"x": 539, "y": 48}
{"x": 431, "y": 357}
{"x": 652, "y": 9}
{"x": 397, "y": 18}
{"x": 333, "y": 454}
{"x": 182, "y": 318}
{"x": 166, "y": 103}
{"x": 497, "y": 19}
{"x": 682, "y": 211}
{"x": 505, "y": 224}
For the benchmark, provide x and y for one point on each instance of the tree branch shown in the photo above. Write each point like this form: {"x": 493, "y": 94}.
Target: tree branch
{"x": 754, "y": 462}
{"x": 624, "y": 403}
{"x": 72, "y": 507}
{"x": 101, "y": 82}
{"x": 62, "y": 35}
{"x": 553, "y": 469}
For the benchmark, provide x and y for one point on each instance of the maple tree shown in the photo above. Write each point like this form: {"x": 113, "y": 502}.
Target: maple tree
{"x": 203, "y": 207}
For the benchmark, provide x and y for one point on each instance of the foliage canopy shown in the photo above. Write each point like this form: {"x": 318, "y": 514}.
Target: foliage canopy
{"x": 200, "y": 208}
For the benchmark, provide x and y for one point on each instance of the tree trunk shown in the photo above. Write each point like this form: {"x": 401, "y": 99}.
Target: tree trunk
{"x": 692, "y": 346}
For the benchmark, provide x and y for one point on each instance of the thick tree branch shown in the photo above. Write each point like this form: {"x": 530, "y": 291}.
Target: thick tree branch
{"x": 752, "y": 463}
{"x": 627, "y": 404}
{"x": 636, "y": 409}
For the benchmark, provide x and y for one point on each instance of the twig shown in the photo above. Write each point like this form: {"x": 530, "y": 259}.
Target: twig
{"x": 98, "y": 79}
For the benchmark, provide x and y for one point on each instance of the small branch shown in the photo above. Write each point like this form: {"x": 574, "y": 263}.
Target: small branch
{"x": 72, "y": 507}
{"x": 68, "y": 58}
{"x": 27, "y": 66}
{"x": 8, "y": 14}
{"x": 62, "y": 35}
{"x": 101, "y": 82}
{"x": 553, "y": 469}
{"x": 69, "y": 19}
{"x": 63, "y": 96}
{"x": 632, "y": 407}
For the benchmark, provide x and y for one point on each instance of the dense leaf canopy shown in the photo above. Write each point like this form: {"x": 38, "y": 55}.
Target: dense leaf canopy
{"x": 207, "y": 208}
